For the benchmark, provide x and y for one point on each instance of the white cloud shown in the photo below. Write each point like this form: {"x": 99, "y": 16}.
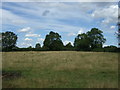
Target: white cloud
{"x": 104, "y": 45}
{"x": 81, "y": 31}
{"x": 109, "y": 14}
{"x": 50, "y": 16}
{"x": 32, "y": 35}
{"x": 71, "y": 34}
{"x": 28, "y": 39}
{"x": 24, "y": 29}
{"x": 66, "y": 42}
{"x": 112, "y": 27}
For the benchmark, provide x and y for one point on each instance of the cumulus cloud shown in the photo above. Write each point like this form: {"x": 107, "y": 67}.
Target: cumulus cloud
{"x": 60, "y": 17}
{"x": 112, "y": 27}
{"x": 109, "y": 14}
{"x": 28, "y": 39}
{"x": 32, "y": 35}
{"x": 66, "y": 42}
{"x": 104, "y": 45}
{"x": 24, "y": 29}
{"x": 81, "y": 31}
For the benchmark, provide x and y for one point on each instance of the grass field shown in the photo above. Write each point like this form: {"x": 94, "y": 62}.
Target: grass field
{"x": 64, "y": 69}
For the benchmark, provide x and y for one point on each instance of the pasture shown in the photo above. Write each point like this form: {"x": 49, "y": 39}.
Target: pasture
{"x": 59, "y": 69}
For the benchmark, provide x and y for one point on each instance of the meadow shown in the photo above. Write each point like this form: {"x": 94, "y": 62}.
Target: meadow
{"x": 59, "y": 69}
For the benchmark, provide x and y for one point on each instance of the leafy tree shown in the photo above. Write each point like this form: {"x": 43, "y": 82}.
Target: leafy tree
{"x": 56, "y": 45}
{"x": 53, "y": 41}
{"x": 38, "y": 46}
{"x": 96, "y": 38}
{"x": 90, "y": 40}
{"x": 69, "y": 47}
{"x": 30, "y": 48}
{"x": 9, "y": 40}
{"x": 82, "y": 42}
{"x": 0, "y": 41}
{"x": 111, "y": 48}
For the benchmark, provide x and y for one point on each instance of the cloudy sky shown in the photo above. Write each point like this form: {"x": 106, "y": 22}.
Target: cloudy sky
{"x": 31, "y": 21}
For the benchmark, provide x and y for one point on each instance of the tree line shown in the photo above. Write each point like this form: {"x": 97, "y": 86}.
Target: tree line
{"x": 92, "y": 40}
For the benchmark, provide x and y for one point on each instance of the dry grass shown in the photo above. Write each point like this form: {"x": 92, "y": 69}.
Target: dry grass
{"x": 66, "y": 69}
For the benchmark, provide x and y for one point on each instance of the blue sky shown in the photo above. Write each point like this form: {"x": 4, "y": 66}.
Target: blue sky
{"x": 31, "y": 21}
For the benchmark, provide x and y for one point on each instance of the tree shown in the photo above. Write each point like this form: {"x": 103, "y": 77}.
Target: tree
{"x": 9, "y": 40}
{"x": 30, "y": 48}
{"x": 96, "y": 38}
{"x": 111, "y": 48}
{"x": 90, "y": 40}
{"x": 69, "y": 46}
{"x": 56, "y": 45}
{"x": 0, "y": 41}
{"x": 38, "y": 46}
{"x": 82, "y": 42}
{"x": 53, "y": 41}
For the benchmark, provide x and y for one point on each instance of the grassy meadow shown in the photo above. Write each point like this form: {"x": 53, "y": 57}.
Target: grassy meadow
{"x": 59, "y": 69}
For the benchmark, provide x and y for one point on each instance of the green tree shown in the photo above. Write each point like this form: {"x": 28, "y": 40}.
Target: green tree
{"x": 90, "y": 40}
{"x": 69, "y": 46}
{"x": 82, "y": 42}
{"x": 53, "y": 41}
{"x": 38, "y": 46}
{"x": 56, "y": 45}
{"x": 30, "y": 48}
{"x": 9, "y": 40}
{"x": 96, "y": 38}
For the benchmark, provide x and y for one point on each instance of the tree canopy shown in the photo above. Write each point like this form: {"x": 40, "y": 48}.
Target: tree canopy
{"x": 53, "y": 41}
{"x": 82, "y": 42}
{"x": 96, "y": 38}
{"x": 90, "y": 40}
{"x": 9, "y": 40}
{"x": 38, "y": 46}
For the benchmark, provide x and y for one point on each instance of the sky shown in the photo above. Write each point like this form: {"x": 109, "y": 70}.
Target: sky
{"x": 31, "y": 21}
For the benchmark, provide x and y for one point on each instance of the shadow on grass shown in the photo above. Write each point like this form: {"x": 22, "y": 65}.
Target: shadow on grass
{"x": 10, "y": 74}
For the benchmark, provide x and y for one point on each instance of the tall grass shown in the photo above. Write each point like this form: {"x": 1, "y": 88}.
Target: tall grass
{"x": 61, "y": 69}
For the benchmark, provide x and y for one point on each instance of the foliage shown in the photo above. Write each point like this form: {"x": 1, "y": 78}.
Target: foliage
{"x": 111, "y": 49}
{"x": 38, "y": 47}
{"x": 9, "y": 40}
{"x": 56, "y": 45}
{"x": 96, "y": 38}
{"x": 90, "y": 40}
{"x": 68, "y": 47}
{"x": 82, "y": 42}
{"x": 53, "y": 41}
